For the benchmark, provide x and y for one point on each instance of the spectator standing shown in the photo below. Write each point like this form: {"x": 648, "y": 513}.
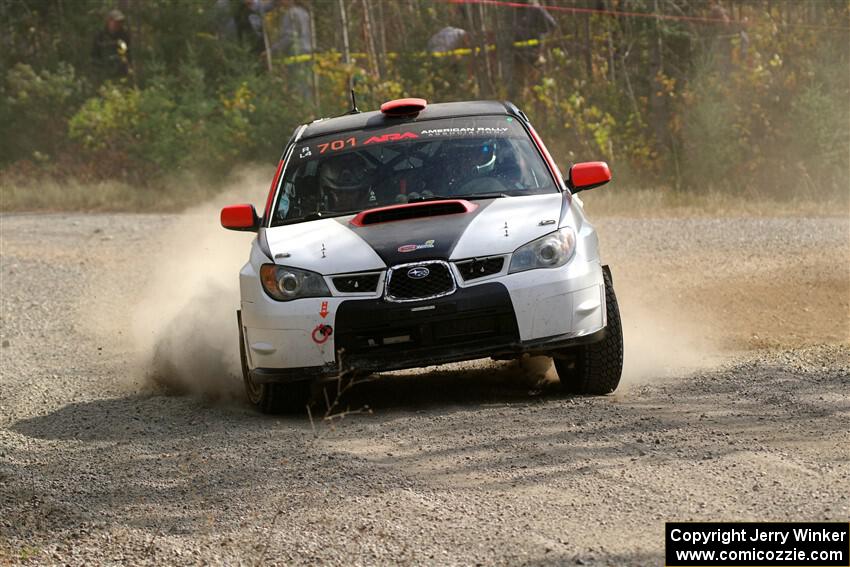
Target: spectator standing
{"x": 295, "y": 31}
{"x": 111, "y": 49}
{"x": 448, "y": 69}
{"x": 533, "y": 23}
{"x": 243, "y": 21}
{"x": 447, "y": 39}
{"x": 744, "y": 39}
{"x": 519, "y": 64}
{"x": 295, "y": 38}
{"x": 721, "y": 33}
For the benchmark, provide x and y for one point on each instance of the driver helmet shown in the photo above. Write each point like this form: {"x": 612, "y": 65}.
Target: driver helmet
{"x": 512, "y": 168}
{"x": 345, "y": 182}
{"x": 473, "y": 158}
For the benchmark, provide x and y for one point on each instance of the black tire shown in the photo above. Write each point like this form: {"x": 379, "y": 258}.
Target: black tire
{"x": 272, "y": 398}
{"x": 595, "y": 368}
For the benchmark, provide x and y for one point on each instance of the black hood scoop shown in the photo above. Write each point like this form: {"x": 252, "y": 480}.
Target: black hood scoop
{"x": 409, "y": 211}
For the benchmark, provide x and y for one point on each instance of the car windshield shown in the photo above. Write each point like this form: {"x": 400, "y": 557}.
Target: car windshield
{"x": 466, "y": 157}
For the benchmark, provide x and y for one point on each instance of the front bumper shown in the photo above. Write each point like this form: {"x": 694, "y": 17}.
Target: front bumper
{"x": 535, "y": 312}
{"x": 381, "y": 363}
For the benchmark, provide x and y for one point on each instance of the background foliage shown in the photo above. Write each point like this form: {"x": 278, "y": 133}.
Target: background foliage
{"x": 755, "y": 105}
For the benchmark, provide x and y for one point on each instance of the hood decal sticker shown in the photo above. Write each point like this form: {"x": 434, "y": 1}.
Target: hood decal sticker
{"x": 413, "y": 247}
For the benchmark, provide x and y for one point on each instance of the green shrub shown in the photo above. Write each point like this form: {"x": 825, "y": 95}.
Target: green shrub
{"x": 713, "y": 147}
{"x": 820, "y": 143}
{"x": 176, "y": 123}
{"x": 35, "y": 106}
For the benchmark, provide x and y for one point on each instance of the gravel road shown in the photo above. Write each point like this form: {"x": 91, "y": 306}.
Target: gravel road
{"x": 735, "y": 406}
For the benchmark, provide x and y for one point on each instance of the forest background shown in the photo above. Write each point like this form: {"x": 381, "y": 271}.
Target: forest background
{"x": 740, "y": 98}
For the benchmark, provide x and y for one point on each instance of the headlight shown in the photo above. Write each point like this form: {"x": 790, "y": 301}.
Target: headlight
{"x": 550, "y": 251}
{"x": 285, "y": 284}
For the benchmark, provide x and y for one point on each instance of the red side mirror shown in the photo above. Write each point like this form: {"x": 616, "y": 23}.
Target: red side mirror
{"x": 588, "y": 175}
{"x": 240, "y": 217}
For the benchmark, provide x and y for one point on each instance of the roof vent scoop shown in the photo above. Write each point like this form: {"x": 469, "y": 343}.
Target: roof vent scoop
{"x": 404, "y": 106}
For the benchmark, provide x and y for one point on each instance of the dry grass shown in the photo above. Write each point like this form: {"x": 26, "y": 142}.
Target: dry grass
{"x": 173, "y": 195}
{"x": 178, "y": 194}
{"x": 103, "y": 196}
{"x": 619, "y": 201}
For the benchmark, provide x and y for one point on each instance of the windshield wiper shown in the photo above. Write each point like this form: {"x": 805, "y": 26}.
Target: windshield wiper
{"x": 327, "y": 215}
{"x": 318, "y": 215}
{"x": 475, "y": 196}
{"x": 431, "y": 198}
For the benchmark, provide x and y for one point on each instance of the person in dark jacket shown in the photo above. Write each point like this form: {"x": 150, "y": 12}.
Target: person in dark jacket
{"x": 243, "y": 22}
{"x": 111, "y": 50}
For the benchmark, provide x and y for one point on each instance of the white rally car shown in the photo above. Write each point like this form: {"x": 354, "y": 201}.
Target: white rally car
{"x": 420, "y": 235}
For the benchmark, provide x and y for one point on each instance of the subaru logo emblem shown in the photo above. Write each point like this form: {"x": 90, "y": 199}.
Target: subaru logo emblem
{"x": 418, "y": 273}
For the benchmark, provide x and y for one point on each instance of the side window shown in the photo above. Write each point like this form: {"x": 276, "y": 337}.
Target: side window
{"x": 298, "y": 195}
{"x": 284, "y": 203}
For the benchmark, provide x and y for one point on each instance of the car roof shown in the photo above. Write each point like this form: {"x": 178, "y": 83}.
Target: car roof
{"x": 377, "y": 119}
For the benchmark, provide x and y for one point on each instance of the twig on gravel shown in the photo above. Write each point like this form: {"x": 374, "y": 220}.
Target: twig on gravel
{"x": 31, "y": 465}
{"x": 341, "y": 389}
{"x": 310, "y": 416}
{"x": 343, "y": 385}
{"x": 264, "y": 547}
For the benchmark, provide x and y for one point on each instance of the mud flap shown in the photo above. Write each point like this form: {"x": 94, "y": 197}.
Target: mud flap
{"x": 606, "y": 270}
{"x": 243, "y": 349}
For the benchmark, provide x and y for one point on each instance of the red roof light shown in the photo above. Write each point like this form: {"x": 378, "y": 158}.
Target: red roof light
{"x": 404, "y": 106}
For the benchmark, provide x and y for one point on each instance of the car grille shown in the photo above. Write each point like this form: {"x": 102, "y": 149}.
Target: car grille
{"x": 437, "y": 281}
{"x": 356, "y": 283}
{"x": 373, "y": 333}
{"x": 480, "y": 267}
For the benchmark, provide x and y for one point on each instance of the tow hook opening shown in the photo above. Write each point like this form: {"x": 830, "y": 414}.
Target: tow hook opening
{"x": 322, "y": 333}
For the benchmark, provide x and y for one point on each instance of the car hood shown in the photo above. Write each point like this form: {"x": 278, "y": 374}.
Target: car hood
{"x": 494, "y": 226}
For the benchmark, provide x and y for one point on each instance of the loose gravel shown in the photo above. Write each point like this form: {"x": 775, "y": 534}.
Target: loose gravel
{"x": 467, "y": 464}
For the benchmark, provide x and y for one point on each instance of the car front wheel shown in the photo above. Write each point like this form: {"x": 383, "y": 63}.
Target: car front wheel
{"x": 595, "y": 368}
{"x": 272, "y": 398}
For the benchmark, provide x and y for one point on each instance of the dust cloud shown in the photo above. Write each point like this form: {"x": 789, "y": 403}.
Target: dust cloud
{"x": 657, "y": 348}
{"x": 663, "y": 342}
{"x": 659, "y": 345}
{"x": 184, "y": 324}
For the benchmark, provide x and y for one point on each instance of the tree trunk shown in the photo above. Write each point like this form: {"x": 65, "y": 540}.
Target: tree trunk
{"x": 370, "y": 40}
{"x": 657, "y": 96}
{"x": 317, "y": 101}
{"x": 346, "y": 48}
{"x": 505, "y": 52}
{"x": 588, "y": 46}
{"x": 382, "y": 37}
{"x": 477, "y": 54}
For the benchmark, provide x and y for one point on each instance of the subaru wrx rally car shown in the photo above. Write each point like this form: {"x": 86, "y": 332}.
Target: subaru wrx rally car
{"x": 420, "y": 235}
